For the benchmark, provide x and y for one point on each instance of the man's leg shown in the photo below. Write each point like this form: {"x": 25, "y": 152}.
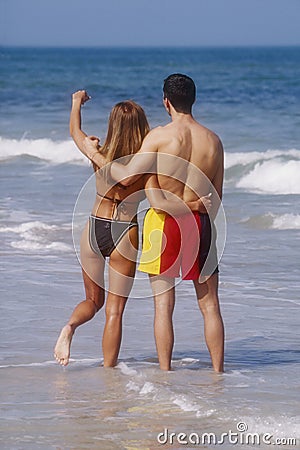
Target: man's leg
{"x": 207, "y": 295}
{"x": 164, "y": 301}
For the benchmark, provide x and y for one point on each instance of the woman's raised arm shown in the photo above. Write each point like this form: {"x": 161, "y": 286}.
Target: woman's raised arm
{"x": 78, "y": 99}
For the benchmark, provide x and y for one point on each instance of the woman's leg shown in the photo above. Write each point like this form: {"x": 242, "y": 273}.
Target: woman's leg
{"x": 92, "y": 271}
{"x": 121, "y": 276}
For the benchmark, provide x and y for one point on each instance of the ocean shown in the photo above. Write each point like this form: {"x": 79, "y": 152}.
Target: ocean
{"x": 250, "y": 97}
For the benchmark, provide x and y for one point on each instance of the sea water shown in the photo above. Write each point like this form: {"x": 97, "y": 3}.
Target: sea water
{"x": 250, "y": 98}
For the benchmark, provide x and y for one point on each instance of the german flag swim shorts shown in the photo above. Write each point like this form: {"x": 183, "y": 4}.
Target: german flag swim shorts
{"x": 183, "y": 242}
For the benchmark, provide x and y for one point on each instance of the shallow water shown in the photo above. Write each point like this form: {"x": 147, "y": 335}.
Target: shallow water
{"x": 45, "y": 406}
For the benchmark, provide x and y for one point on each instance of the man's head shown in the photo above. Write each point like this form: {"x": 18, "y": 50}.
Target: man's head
{"x": 180, "y": 91}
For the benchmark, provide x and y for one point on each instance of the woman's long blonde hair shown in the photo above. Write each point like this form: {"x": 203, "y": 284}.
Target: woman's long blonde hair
{"x": 127, "y": 127}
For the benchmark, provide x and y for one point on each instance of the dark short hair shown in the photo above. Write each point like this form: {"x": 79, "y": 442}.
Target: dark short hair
{"x": 180, "y": 90}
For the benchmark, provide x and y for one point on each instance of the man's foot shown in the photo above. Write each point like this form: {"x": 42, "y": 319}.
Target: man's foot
{"x": 62, "y": 348}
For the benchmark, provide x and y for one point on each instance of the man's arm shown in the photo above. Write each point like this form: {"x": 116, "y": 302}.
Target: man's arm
{"x": 217, "y": 180}
{"x": 142, "y": 162}
{"x": 174, "y": 205}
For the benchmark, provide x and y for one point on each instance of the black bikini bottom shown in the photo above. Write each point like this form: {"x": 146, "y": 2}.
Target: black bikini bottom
{"x": 105, "y": 234}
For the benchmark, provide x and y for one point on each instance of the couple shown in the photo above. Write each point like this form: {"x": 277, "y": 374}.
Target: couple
{"x": 180, "y": 169}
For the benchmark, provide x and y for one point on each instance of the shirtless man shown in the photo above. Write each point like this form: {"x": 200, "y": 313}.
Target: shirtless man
{"x": 180, "y": 151}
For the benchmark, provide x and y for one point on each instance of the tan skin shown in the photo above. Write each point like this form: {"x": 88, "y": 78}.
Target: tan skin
{"x": 185, "y": 141}
{"x": 118, "y": 264}
{"x": 121, "y": 267}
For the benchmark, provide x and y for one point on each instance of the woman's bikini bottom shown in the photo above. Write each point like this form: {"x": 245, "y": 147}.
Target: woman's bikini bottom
{"x": 105, "y": 234}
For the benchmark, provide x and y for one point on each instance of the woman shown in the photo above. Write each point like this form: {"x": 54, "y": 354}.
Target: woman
{"x": 112, "y": 228}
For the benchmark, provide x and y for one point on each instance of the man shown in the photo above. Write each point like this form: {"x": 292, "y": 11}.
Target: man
{"x": 180, "y": 150}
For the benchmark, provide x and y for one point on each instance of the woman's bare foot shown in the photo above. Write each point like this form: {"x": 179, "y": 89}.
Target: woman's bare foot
{"x": 62, "y": 348}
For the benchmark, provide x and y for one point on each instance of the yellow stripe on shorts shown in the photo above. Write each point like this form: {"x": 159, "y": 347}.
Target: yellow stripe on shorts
{"x": 152, "y": 242}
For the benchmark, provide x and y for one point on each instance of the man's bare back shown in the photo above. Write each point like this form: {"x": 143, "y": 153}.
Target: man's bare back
{"x": 183, "y": 146}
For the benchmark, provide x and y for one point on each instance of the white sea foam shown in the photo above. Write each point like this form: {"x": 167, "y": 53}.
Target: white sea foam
{"x": 273, "y": 177}
{"x": 279, "y": 427}
{"x": 126, "y": 370}
{"x": 143, "y": 389}
{"x": 147, "y": 388}
{"x": 245, "y": 158}
{"x": 269, "y": 172}
{"x": 188, "y": 405}
{"x": 84, "y": 361}
{"x": 205, "y": 413}
{"x": 27, "y": 227}
{"x": 132, "y": 386}
{"x": 37, "y": 364}
{"x": 31, "y": 246}
{"x": 37, "y": 235}
{"x": 189, "y": 360}
{"x": 185, "y": 404}
{"x": 53, "y": 151}
{"x": 287, "y": 221}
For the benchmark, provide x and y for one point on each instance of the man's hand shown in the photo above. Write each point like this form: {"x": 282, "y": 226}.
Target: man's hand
{"x": 92, "y": 142}
{"x": 91, "y": 150}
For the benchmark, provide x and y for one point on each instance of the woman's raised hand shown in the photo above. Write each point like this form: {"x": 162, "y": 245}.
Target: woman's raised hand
{"x": 81, "y": 96}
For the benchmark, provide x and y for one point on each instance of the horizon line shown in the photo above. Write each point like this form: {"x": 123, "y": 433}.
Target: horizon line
{"x": 143, "y": 47}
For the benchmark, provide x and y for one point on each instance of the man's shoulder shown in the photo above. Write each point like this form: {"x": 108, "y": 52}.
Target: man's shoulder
{"x": 158, "y": 134}
{"x": 153, "y": 140}
{"x": 160, "y": 130}
{"x": 213, "y": 140}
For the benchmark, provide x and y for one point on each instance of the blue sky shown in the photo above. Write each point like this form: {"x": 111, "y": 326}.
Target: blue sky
{"x": 149, "y": 22}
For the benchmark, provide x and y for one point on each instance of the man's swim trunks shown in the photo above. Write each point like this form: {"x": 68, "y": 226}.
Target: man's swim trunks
{"x": 186, "y": 242}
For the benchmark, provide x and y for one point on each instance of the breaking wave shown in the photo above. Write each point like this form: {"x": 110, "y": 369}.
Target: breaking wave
{"x": 270, "y": 172}
{"x": 36, "y": 235}
{"x": 267, "y": 172}
{"x": 287, "y": 221}
{"x": 57, "y": 152}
